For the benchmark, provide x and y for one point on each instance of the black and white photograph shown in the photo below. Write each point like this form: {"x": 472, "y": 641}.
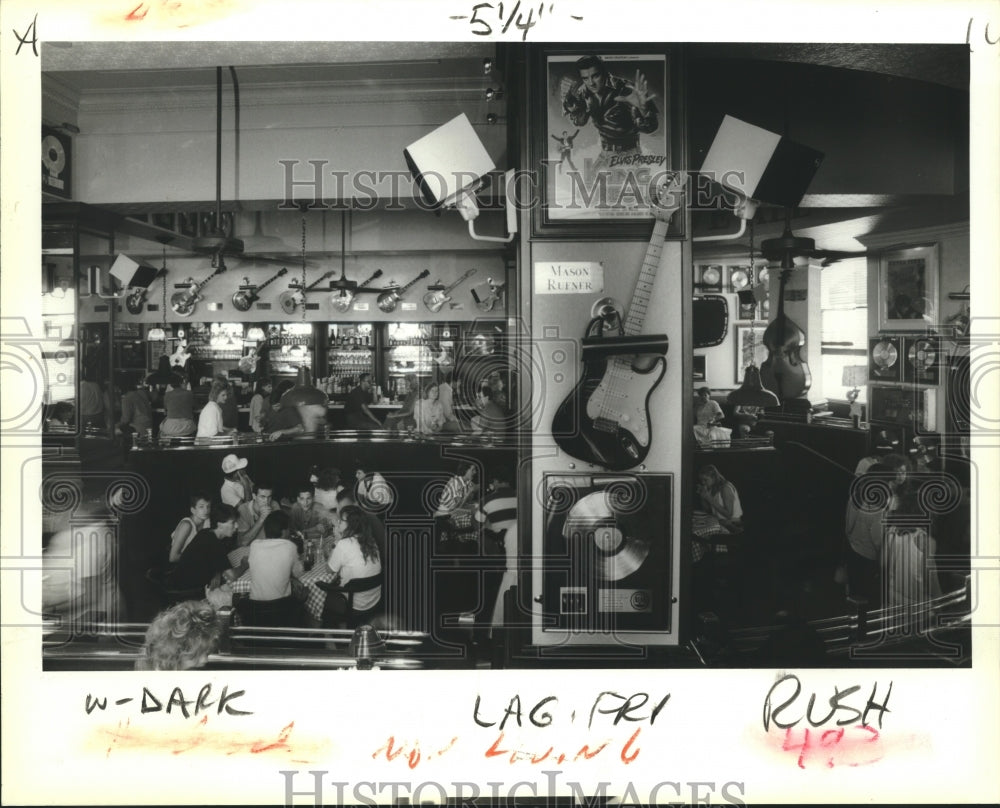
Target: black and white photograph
{"x": 341, "y": 468}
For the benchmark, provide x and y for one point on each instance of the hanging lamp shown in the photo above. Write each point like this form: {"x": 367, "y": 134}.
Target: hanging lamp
{"x": 752, "y": 393}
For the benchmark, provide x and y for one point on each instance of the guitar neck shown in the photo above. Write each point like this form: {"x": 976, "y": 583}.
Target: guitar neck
{"x": 268, "y": 282}
{"x": 644, "y": 284}
{"x": 447, "y": 289}
{"x": 403, "y": 289}
{"x": 317, "y": 282}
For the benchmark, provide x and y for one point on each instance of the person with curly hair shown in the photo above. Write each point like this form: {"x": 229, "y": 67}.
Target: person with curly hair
{"x": 181, "y": 638}
{"x": 356, "y": 555}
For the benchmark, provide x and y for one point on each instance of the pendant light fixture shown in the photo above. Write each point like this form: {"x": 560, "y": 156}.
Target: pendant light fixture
{"x": 752, "y": 393}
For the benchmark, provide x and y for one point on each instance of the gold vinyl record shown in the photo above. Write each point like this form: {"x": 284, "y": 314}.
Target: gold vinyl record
{"x": 594, "y": 536}
{"x": 884, "y": 354}
{"x": 922, "y": 354}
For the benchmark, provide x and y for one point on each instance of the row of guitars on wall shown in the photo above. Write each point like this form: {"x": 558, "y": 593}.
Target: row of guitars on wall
{"x": 486, "y": 296}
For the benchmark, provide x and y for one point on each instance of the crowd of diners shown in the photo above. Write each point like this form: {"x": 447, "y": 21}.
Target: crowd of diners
{"x": 428, "y": 405}
{"x": 284, "y": 556}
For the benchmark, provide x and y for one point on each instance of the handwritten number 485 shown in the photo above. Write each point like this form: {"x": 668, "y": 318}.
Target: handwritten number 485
{"x": 832, "y": 747}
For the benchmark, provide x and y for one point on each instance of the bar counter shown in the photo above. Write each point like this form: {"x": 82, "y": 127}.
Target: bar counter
{"x": 415, "y": 468}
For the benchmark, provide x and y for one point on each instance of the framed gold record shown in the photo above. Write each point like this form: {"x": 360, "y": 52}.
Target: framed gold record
{"x": 885, "y": 359}
{"x": 921, "y": 359}
{"x": 740, "y": 278}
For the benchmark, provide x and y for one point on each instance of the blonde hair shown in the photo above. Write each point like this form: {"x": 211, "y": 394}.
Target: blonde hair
{"x": 181, "y": 637}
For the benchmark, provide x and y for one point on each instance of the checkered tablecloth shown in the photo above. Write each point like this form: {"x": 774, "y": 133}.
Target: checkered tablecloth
{"x": 315, "y": 597}
{"x": 704, "y": 525}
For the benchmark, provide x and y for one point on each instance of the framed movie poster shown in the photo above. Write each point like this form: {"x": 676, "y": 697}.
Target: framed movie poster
{"x": 750, "y": 347}
{"x": 908, "y": 289}
{"x": 605, "y": 140}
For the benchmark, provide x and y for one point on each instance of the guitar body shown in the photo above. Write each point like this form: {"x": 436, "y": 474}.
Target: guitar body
{"x": 387, "y": 301}
{"x": 290, "y": 301}
{"x": 135, "y": 301}
{"x": 343, "y": 301}
{"x": 184, "y": 303}
{"x": 434, "y": 301}
{"x": 605, "y": 420}
{"x": 243, "y": 300}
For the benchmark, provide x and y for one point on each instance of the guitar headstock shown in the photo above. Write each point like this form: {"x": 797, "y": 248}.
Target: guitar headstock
{"x": 670, "y": 196}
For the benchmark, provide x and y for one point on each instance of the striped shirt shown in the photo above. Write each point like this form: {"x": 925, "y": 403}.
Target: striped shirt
{"x": 499, "y": 510}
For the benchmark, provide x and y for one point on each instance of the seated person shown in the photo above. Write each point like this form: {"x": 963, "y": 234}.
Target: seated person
{"x": 745, "y": 416}
{"x": 237, "y": 487}
{"x": 304, "y": 518}
{"x": 707, "y": 411}
{"x": 201, "y": 507}
{"x": 356, "y": 408}
{"x": 457, "y": 495}
{"x": 327, "y": 486}
{"x": 210, "y": 419}
{"x": 403, "y": 419}
{"x": 274, "y": 561}
{"x": 428, "y": 412}
{"x": 490, "y": 418}
{"x": 708, "y": 416}
{"x": 345, "y": 499}
{"x": 181, "y": 638}
{"x": 280, "y": 421}
{"x": 204, "y": 561}
{"x": 250, "y": 520}
{"x": 372, "y": 490}
{"x": 60, "y": 417}
{"x": 356, "y": 555}
{"x": 864, "y": 527}
{"x": 720, "y": 498}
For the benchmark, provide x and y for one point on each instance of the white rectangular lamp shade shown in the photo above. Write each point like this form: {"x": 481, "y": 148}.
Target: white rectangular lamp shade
{"x": 132, "y": 273}
{"x": 759, "y": 164}
{"x": 448, "y": 160}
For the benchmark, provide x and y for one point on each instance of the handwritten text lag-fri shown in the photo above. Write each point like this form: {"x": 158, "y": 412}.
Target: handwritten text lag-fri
{"x": 637, "y": 707}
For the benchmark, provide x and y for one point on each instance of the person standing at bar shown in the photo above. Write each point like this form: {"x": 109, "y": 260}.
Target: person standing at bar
{"x": 356, "y": 408}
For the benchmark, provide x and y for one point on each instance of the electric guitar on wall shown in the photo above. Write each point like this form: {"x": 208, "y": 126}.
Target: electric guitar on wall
{"x": 184, "y": 302}
{"x": 605, "y": 419}
{"x": 292, "y": 299}
{"x": 344, "y": 299}
{"x": 243, "y": 299}
{"x": 136, "y": 300}
{"x": 436, "y": 299}
{"x": 389, "y": 299}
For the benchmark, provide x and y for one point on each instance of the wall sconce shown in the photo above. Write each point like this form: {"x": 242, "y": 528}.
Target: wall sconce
{"x": 255, "y": 334}
{"x": 448, "y": 165}
{"x": 156, "y": 334}
{"x": 494, "y": 93}
{"x": 487, "y": 66}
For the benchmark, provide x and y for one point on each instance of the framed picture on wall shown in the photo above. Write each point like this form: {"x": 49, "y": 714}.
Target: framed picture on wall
{"x": 908, "y": 289}
{"x": 699, "y": 373}
{"x": 606, "y": 137}
{"x": 749, "y": 347}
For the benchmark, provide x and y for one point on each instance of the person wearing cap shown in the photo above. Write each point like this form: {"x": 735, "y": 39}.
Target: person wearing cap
{"x": 237, "y": 486}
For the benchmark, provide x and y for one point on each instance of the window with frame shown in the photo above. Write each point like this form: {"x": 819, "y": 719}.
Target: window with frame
{"x": 844, "y": 328}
